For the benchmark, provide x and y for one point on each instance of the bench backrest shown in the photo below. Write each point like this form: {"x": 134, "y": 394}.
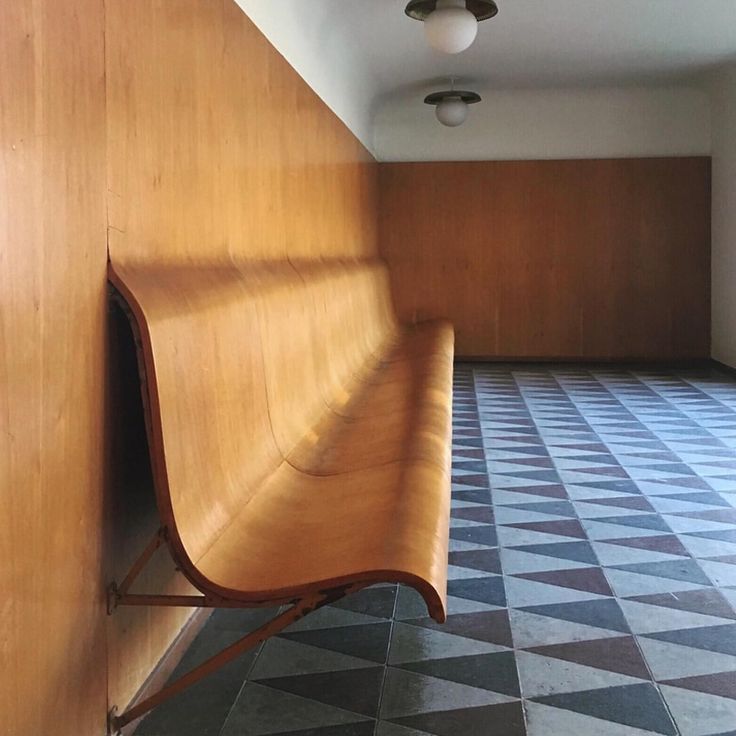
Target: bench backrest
{"x": 241, "y": 361}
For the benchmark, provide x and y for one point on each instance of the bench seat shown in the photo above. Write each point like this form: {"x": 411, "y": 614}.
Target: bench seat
{"x": 300, "y": 437}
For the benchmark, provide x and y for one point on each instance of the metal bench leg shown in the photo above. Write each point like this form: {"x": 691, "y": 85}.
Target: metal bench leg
{"x": 297, "y": 611}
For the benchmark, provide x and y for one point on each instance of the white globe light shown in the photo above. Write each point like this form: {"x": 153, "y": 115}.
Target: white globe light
{"x": 451, "y": 28}
{"x": 452, "y": 112}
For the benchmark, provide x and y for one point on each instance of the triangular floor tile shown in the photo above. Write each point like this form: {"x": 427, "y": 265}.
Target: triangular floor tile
{"x": 619, "y": 556}
{"x": 511, "y": 538}
{"x": 486, "y": 589}
{"x": 522, "y": 592}
{"x": 480, "y": 496}
{"x": 495, "y": 672}
{"x": 553, "y": 508}
{"x": 485, "y": 535}
{"x": 724, "y": 516}
{"x": 722, "y": 574}
{"x": 546, "y": 476}
{"x": 617, "y": 654}
{"x": 262, "y": 710}
{"x": 506, "y": 719}
{"x": 409, "y": 693}
{"x": 544, "y": 720}
{"x": 699, "y": 713}
{"x": 604, "y": 613}
{"x": 357, "y": 691}
{"x": 542, "y": 676}
{"x": 668, "y": 661}
{"x": 708, "y": 601}
{"x": 414, "y": 644}
{"x": 516, "y": 563}
{"x": 646, "y": 619}
{"x": 532, "y": 630}
{"x": 386, "y": 728}
{"x": 629, "y": 584}
{"x": 378, "y": 602}
{"x": 686, "y": 570}
{"x": 366, "y": 642}
{"x": 483, "y": 515}
{"x": 641, "y": 521}
{"x": 588, "y": 579}
{"x": 722, "y": 535}
{"x": 665, "y": 543}
{"x": 473, "y": 481}
{"x": 707, "y": 498}
{"x": 283, "y": 658}
{"x": 711, "y": 638}
{"x": 365, "y": 728}
{"x": 639, "y": 706}
{"x": 549, "y": 490}
{"x": 622, "y": 486}
{"x": 330, "y": 617}
{"x": 722, "y": 684}
{"x": 486, "y": 560}
{"x": 489, "y": 626}
{"x": 567, "y": 528}
{"x": 600, "y": 532}
{"x": 633, "y": 503}
{"x": 578, "y": 551}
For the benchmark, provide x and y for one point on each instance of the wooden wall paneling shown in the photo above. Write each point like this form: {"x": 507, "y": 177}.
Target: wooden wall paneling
{"x": 218, "y": 153}
{"x": 585, "y": 259}
{"x": 218, "y": 147}
{"x": 52, "y": 367}
{"x": 538, "y": 295}
{"x": 426, "y": 248}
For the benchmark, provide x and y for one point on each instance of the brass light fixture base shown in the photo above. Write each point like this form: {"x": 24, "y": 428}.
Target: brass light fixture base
{"x": 469, "y": 98}
{"x": 481, "y": 9}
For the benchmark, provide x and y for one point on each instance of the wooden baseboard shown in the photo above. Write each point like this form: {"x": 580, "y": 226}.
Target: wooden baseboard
{"x": 168, "y": 663}
{"x": 729, "y": 369}
{"x": 643, "y": 363}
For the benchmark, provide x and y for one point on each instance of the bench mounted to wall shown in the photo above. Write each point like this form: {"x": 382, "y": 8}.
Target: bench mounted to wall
{"x": 299, "y": 439}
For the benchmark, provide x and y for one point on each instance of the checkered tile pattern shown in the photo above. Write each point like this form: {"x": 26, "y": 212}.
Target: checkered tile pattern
{"x": 592, "y": 581}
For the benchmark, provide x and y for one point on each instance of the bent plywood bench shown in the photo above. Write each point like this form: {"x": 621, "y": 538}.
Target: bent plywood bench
{"x": 299, "y": 436}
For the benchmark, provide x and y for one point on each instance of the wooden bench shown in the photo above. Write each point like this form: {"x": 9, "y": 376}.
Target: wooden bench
{"x": 300, "y": 437}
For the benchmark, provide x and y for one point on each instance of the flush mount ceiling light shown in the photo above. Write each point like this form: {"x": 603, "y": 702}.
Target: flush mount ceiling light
{"x": 451, "y": 106}
{"x": 451, "y": 25}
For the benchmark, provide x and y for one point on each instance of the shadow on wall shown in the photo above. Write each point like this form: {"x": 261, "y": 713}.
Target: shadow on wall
{"x": 131, "y": 481}
{"x": 137, "y": 637}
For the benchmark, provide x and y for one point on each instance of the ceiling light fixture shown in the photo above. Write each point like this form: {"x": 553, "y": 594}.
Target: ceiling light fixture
{"x": 451, "y": 25}
{"x": 451, "y": 105}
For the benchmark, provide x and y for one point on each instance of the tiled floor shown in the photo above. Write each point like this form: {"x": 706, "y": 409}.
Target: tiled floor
{"x": 592, "y": 581}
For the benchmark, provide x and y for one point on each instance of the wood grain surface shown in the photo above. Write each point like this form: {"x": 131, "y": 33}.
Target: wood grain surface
{"x": 52, "y": 367}
{"x": 276, "y": 480}
{"x": 218, "y": 151}
{"x": 605, "y": 259}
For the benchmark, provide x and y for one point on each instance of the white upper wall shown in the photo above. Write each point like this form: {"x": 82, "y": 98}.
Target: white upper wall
{"x": 723, "y": 294}
{"x": 563, "y": 79}
{"x": 569, "y": 78}
{"x": 556, "y": 123}
{"x": 318, "y": 43}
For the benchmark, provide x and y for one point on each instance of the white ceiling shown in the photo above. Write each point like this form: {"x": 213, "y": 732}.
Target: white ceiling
{"x": 551, "y": 43}
{"x": 359, "y": 55}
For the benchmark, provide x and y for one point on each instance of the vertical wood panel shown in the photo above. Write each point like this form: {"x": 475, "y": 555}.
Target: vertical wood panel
{"x": 217, "y": 146}
{"x": 554, "y": 259}
{"x": 52, "y": 351}
{"x": 217, "y": 149}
